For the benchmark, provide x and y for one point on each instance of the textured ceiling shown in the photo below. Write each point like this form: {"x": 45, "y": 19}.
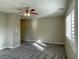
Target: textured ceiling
{"x": 43, "y": 7}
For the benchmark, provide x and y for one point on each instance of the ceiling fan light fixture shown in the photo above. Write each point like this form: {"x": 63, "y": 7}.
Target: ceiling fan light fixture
{"x": 25, "y": 14}
{"x": 28, "y": 14}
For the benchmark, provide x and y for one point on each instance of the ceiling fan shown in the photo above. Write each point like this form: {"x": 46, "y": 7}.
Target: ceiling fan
{"x": 28, "y": 11}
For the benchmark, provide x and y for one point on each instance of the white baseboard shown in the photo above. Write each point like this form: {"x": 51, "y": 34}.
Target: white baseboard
{"x": 1, "y": 48}
{"x": 14, "y": 46}
{"x": 47, "y": 42}
{"x": 55, "y": 43}
{"x": 9, "y": 47}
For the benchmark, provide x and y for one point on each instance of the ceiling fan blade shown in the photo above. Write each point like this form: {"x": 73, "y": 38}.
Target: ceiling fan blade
{"x": 20, "y": 9}
{"x": 34, "y": 13}
{"x": 32, "y": 10}
{"x": 21, "y": 12}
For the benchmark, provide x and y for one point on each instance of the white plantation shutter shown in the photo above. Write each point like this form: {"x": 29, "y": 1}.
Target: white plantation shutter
{"x": 73, "y": 25}
{"x": 70, "y": 29}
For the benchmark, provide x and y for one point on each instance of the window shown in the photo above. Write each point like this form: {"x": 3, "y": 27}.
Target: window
{"x": 70, "y": 29}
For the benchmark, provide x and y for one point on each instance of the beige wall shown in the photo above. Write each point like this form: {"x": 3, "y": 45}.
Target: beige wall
{"x": 70, "y": 45}
{"x": 3, "y": 30}
{"x": 13, "y": 30}
{"x": 9, "y": 31}
{"x": 50, "y": 29}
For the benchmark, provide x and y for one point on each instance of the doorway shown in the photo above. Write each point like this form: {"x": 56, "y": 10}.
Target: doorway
{"x": 25, "y": 26}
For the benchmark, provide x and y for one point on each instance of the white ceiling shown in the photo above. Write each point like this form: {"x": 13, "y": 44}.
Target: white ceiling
{"x": 43, "y": 7}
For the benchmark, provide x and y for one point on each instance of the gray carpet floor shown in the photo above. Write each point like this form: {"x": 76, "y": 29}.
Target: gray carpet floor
{"x": 28, "y": 51}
